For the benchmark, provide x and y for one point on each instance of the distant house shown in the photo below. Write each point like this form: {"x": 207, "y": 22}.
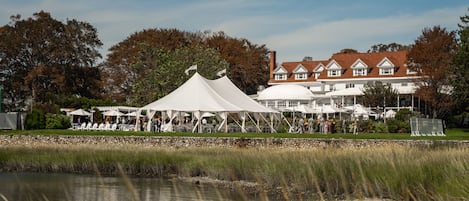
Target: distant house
{"x": 338, "y": 82}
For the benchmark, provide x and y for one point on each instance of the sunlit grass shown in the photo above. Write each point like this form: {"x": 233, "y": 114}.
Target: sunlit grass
{"x": 394, "y": 172}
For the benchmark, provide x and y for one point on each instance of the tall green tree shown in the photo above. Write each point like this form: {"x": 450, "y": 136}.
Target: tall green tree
{"x": 460, "y": 70}
{"x": 377, "y": 94}
{"x": 42, "y": 57}
{"x": 431, "y": 57}
{"x": 119, "y": 72}
{"x": 164, "y": 71}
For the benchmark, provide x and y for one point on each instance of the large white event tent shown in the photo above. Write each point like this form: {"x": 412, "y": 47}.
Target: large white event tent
{"x": 199, "y": 95}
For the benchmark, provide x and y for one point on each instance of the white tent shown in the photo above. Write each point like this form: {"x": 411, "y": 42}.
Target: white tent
{"x": 113, "y": 113}
{"x": 80, "y": 112}
{"x": 390, "y": 114}
{"x": 359, "y": 110}
{"x": 199, "y": 95}
{"x": 346, "y": 92}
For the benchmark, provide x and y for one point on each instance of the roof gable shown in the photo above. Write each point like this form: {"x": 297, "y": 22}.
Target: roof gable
{"x": 300, "y": 69}
{"x": 333, "y": 65}
{"x": 359, "y": 64}
{"x": 319, "y": 68}
{"x": 280, "y": 70}
{"x": 385, "y": 63}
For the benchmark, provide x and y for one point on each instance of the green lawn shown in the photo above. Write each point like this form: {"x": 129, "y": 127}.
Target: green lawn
{"x": 452, "y": 134}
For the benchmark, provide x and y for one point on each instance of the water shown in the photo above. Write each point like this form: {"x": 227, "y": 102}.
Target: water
{"x": 55, "y": 187}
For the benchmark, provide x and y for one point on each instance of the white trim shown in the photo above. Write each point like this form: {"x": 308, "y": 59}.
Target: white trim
{"x": 300, "y": 69}
{"x": 385, "y": 60}
{"x": 367, "y": 78}
{"x": 280, "y": 70}
{"x": 357, "y": 62}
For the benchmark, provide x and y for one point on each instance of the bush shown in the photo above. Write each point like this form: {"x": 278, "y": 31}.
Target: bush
{"x": 380, "y": 127}
{"x": 393, "y": 125}
{"x": 57, "y": 121}
{"x": 403, "y": 115}
{"x": 35, "y": 120}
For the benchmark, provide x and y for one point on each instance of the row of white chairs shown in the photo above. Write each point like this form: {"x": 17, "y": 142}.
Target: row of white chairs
{"x": 99, "y": 127}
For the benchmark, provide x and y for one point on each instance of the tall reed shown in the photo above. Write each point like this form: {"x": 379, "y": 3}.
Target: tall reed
{"x": 394, "y": 172}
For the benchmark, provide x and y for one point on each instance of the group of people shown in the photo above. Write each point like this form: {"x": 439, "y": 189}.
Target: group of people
{"x": 324, "y": 126}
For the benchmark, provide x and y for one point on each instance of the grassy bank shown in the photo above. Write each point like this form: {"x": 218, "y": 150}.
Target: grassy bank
{"x": 400, "y": 173}
{"x": 452, "y": 134}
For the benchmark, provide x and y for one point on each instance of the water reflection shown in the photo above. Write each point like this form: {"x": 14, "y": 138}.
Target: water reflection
{"x": 55, "y": 187}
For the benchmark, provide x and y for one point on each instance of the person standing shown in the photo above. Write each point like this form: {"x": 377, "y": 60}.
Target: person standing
{"x": 311, "y": 125}
{"x": 355, "y": 127}
{"x": 301, "y": 126}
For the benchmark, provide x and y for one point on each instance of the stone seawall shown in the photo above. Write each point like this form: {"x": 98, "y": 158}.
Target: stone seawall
{"x": 180, "y": 142}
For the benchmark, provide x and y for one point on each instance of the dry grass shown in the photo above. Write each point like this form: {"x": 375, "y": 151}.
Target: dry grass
{"x": 385, "y": 172}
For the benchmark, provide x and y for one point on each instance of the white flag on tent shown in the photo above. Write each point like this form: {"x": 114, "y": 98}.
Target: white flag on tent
{"x": 221, "y": 73}
{"x": 193, "y": 67}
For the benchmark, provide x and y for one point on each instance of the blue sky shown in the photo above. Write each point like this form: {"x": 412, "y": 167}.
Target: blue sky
{"x": 294, "y": 29}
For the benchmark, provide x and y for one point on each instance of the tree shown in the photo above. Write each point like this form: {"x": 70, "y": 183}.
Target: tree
{"x": 42, "y": 57}
{"x": 460, "y": 70}
{"x": 391, "y": 47}
{"x": 164, "y": 70}
{"x": 248, "y": 62}
{"x": 431, "y": 57}
{"x": 377, "y": 94}
{"x": 347, "y": 51}
{"x": 118, "y": 70}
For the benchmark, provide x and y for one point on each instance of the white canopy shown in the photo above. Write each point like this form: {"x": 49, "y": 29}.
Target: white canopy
{"x": 346, "y": 92}
{"x": 113, "y": 113}
{"x": 195, "y": 94}
{"x": 80, "y": 112}
{"x": 390, "y": 114}
{"x": 201, "y": 94}
{"x": 286, "y": 92}
{"x": 359, "y": 110}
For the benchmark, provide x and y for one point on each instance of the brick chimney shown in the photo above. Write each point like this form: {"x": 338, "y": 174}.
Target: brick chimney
{"x": 272, "y": 60}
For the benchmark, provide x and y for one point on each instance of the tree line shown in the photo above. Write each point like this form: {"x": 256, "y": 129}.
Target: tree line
{"x": 47, "y": 61}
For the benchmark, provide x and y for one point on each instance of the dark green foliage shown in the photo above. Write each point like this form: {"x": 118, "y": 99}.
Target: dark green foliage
{"x": 403, "y": 115}
{"x": 393, "y": 125}
{"x": 57, "y": 121}
{"x": 35, "y": 120}
{"x": 379, "y": 94}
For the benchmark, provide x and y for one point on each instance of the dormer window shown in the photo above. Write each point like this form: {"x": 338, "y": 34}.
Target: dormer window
{"x": 280, "y": 73}
{"x": 301, "y": 76}
{"x": 386, "y": 67}
{"x": 359, "y": 68}
{"x": 317, "y": 71}
{"x": 301, "y": 73}
{"x": 334, "y": 69}
{"x": 280, "y": 77}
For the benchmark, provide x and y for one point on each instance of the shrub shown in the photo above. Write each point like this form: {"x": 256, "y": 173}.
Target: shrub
{"x": 380, "y": 127}
{"x": 403, "y": 115}
{"x": 35, "y": 120}
{"x": 393, "y": 125}
{"x": 57, "y": 121}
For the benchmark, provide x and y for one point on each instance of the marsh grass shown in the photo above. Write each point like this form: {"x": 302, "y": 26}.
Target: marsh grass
{"x": 382, "y": 172}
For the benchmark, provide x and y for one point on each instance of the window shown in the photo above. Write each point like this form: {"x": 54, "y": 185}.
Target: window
{"x": 411, "y": 71}
{"x": 331, "y": 87}
{"x": 404, "y": 84}
{"x": 349, "y": 85}
{"x": 359, "y": 72}
{"x": 386, "y": 71}
{"x": 301, "y": 76}
{"x": 333, "y": 73}
{"x": 281, "y": 76}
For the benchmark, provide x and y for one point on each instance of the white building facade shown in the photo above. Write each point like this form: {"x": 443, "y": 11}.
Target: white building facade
{"x": 338, "y": 82}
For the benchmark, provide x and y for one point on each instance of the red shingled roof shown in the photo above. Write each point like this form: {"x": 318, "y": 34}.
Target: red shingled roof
{"x": 346, "y": 60}
{"x": 290, "y": 66}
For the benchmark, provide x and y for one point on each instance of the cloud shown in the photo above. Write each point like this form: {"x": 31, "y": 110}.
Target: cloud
{"x": 323, "y": 39}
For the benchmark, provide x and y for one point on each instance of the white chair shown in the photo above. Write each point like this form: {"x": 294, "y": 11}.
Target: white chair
{"x": 114, "y": 127}
{"x": 83, "y": 126}
{"x": 89, "y": 126}
{"x": 101, "y": 127}
{"x": 95, "y": 126}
